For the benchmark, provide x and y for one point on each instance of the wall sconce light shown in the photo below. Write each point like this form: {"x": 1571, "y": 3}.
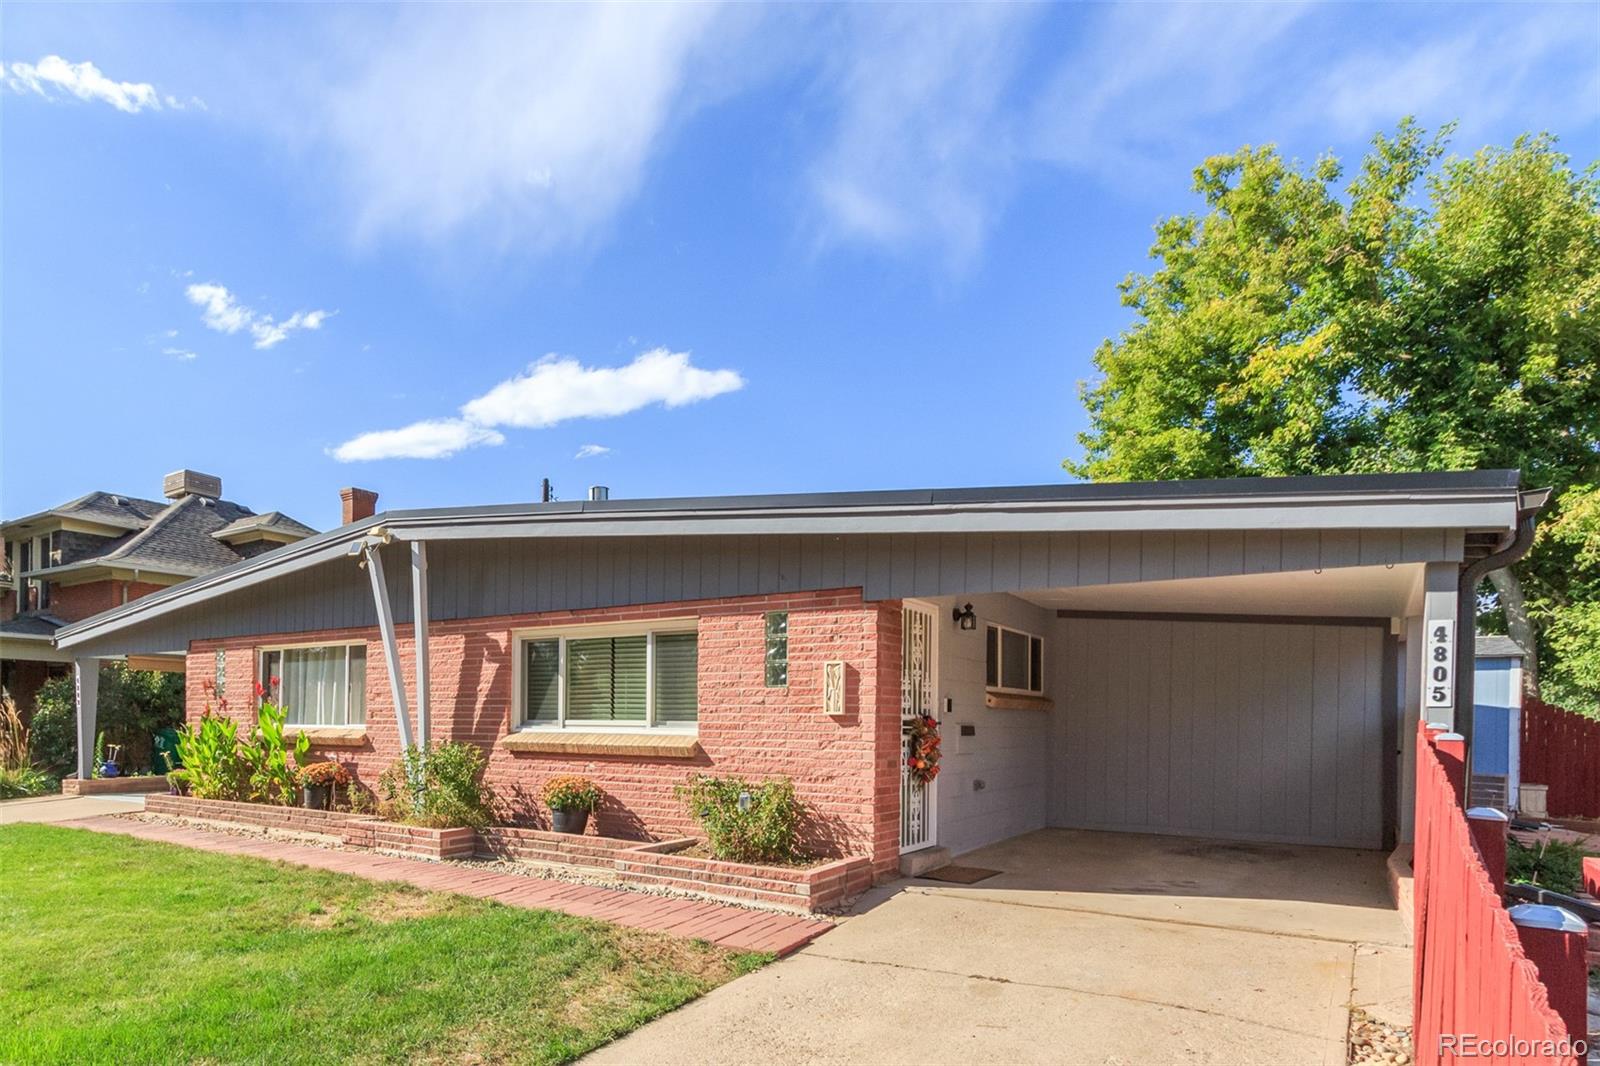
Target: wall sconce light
{"x": 964, "y": 617}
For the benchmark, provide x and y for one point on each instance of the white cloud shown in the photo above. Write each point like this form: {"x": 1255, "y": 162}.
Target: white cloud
{"x": 538, "y": 120}
{"x": 183, "y": 354}
{"x": 1147, "y": 91}
{"x": 592, "y": 451}
{"x": 554, "y": 389}
{"x": 221, "y": 311}
{"x": 1483, "y": 72}
{"x": 53, "y": 75}
{"x": 436, "y": 438}
{"x": 921, "y": 149}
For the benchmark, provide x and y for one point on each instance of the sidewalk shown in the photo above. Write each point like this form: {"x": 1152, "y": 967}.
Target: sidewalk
{"x": 738, "y": 928}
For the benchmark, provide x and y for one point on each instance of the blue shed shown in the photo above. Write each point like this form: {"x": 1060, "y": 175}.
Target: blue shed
{"x": 1496, "y": 722}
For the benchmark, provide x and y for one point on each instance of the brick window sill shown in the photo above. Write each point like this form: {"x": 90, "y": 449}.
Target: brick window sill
{"x": 563, "y": 742}
{"x": 330, "y": 736}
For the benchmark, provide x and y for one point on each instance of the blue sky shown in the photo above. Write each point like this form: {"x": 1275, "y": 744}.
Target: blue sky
{"x": 675, "y": 250}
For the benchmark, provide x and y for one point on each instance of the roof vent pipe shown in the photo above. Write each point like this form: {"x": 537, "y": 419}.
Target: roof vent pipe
{"x": 599, "y": 492}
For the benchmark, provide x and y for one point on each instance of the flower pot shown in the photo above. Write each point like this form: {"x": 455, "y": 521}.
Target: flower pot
{"x": 569, "y": 821}
{"x": 317, "y": 797}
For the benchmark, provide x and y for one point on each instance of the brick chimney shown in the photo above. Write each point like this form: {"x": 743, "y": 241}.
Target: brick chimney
{"x": 181, "y": 483}
{"x": 357, "y": 504}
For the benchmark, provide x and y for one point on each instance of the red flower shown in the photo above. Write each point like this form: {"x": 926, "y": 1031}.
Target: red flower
{"x": 272, "y": 681}
{"x": 260, "y": 690}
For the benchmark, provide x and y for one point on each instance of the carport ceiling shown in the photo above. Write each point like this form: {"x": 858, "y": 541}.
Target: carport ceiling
{"x": 1355, "y": 591}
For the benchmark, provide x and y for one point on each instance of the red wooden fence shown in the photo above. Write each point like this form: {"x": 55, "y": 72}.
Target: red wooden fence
{"x": 1471, "y": 977}
{"x": 1562, "y": 750}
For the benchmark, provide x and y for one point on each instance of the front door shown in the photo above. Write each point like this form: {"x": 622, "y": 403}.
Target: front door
{"x": 917, "y": 822}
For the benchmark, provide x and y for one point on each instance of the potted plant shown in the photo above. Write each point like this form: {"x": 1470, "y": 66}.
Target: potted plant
{"x": 570, "y": 799}
{"x": 318, "y": 782}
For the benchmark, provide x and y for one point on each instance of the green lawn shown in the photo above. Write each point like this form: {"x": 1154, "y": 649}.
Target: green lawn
{"x": 120, "y": 950}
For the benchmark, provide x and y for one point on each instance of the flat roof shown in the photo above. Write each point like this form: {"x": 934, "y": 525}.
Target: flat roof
{"x": 1483, "y": 499}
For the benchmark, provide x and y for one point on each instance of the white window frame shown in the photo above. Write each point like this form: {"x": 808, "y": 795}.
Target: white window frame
{"x": 562, "y": 634}
{"x": 262, "y": 677}
{"x": 1000, "y": 660}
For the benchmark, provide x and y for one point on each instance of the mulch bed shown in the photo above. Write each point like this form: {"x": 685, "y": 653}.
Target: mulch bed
{"x": 702, "y": 851}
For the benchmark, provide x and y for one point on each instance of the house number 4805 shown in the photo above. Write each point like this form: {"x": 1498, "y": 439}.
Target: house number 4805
{"x": 1439, "y": 665}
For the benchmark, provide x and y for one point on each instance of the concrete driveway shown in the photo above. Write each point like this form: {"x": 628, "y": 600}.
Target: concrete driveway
{"x": 1090, "y": 947}
{"x": 60, "y": 808}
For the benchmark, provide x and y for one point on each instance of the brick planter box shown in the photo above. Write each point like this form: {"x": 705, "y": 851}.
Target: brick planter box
{"x": 100, "y": 786}
{"x": 352, "y": 830}
{"x": 807, "y": 889}
{"x": 422, "y": 843}
{"x": 652, "y": 864}
{"x": 540, "y": 845}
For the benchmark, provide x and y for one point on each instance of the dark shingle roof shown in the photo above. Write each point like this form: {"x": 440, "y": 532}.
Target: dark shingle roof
{"x": 172, "y": 537}
{"x": 106, "y": 508}
{"x": 31, "y": 625}
{"x": 275, "y": 521}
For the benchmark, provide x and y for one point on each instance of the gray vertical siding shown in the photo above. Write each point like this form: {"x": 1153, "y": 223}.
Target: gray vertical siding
{"x": 1239, "y": 730}
{"x": 475, "y": 578}
{"x": 1009, "y": 751}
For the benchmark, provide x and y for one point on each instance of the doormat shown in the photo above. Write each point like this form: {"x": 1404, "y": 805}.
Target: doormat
{"x": 960, "y": 875}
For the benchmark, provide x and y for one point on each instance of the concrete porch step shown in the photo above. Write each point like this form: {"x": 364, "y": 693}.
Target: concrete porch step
{"x": 917, "y": 863}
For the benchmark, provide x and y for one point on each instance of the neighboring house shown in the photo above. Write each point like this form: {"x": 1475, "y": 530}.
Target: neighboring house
{"x": 1497, "y": 723}
{"x": 1239, "y": 659}
{"x": 102, "y": 550}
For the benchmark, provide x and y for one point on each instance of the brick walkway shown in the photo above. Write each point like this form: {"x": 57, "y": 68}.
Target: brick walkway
{"x": 731, "y": 927}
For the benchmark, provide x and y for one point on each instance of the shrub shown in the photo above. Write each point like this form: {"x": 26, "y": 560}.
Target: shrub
{"x": 13, "y": 737}
{"x": 1552, "y": 865}
{"x": 26, "y": 781}
{"x": 745, "y": 822}
{"x": 571, "y": 793}
{"x": 441, "y": 788}
{"x": 54, "y": 737}
{"x": 266, "y": 756}
{"x": 18, "y": 776}
{"x": 133, "y": 706}
{"x": 212, "y": 768}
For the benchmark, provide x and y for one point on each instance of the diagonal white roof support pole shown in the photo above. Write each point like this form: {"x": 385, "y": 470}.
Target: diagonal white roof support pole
{"x": 391, "y": 649}
{"x": 419, "y": 617}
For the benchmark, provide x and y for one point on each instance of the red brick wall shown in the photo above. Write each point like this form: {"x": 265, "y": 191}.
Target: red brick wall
{"x": 22, "y": 678}
{"x": 71, "y": 603}
{"x": 846, "y": 769}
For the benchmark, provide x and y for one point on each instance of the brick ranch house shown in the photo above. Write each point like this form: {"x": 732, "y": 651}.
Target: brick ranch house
{"x": 1236, "y": 659}
{"x": 102, "y": 550}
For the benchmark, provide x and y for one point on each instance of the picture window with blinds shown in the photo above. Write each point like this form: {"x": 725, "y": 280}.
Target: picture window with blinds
{"x": 619, "y": 679}
{"x": 323, "y": 685}
{"x": 1013, "y": 661}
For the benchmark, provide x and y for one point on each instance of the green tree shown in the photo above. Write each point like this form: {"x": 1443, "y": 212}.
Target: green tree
{"x": 133, "y": 706}
{"x": 1435, "y": 313}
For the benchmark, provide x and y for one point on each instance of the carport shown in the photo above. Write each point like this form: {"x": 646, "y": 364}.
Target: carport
{"x": 1252, "y": 680}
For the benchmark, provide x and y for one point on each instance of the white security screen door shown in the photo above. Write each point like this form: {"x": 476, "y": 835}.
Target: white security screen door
{"x": 916, "y": 698}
